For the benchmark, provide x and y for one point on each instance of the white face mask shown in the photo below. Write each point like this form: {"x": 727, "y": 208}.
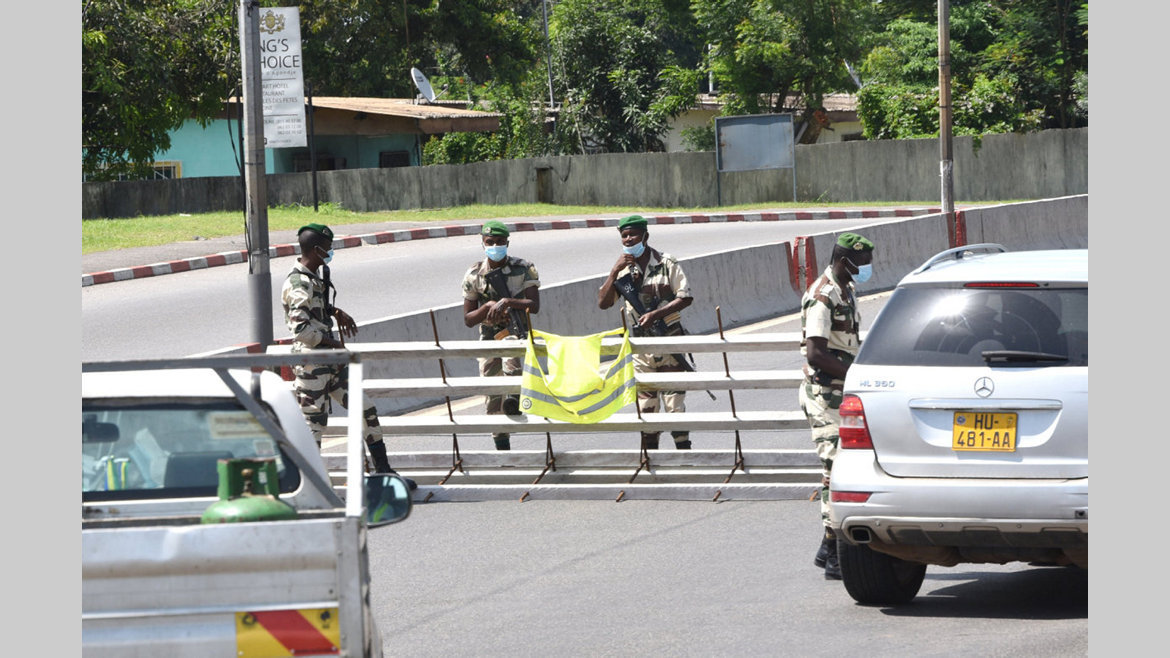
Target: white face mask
{"x": 496, "y": 252}
{"x": 864, "y": 272}
{"x": 636, "y": 250}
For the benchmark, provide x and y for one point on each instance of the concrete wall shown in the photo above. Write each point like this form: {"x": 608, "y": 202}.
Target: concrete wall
{"x": 748, "y": 285}
{"x": 1047, "y": 164}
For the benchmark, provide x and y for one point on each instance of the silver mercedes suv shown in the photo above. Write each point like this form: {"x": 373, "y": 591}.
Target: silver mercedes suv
{"x": 964, "y": 423}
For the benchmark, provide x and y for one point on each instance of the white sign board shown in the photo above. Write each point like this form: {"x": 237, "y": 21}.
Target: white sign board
{"x": 282, "y": 77}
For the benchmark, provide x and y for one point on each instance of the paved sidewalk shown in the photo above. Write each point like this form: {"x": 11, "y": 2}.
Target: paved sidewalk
{"x": 199, "y": 253}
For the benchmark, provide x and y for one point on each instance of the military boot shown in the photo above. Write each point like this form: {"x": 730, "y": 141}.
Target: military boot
{"x": 827, "y": 540}
{"x": 832, "y": 564}
{"x": 503, "y": 441}
{"x": 511, "y": 405}
{"x": 378, "y": 454}
{"x": 649, "y": 440}
{"x": 682, "y": 440}
{"x": 382, "y": 464}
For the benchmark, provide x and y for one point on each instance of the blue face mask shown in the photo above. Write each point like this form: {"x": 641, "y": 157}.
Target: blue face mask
{"x": 864, "y": 272}
{"x": 636, "y": 251}
{"x": 496, "y": 252}
{"x": 328, "y": 256}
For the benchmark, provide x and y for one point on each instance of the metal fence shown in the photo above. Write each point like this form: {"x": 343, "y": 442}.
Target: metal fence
{"x": 449, "y": 473}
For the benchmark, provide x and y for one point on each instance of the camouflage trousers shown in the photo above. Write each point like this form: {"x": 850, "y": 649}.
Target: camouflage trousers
{"x": 318, "y": 387}
{"x": 671, "y": 402}
{"x": 496, "y": 367}
{"x": 821, "y": 405}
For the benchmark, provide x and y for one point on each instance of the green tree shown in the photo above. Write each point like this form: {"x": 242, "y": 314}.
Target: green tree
{"x": 762, "y": 52}
{"x": 367, "y": 47}
{"x": 148, "y": 66}
{"x": 1016, "y": 66}
{"x": 620, "y": 71}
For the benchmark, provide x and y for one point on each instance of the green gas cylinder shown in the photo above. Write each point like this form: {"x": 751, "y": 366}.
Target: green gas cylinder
{"x": 248, "y": 491}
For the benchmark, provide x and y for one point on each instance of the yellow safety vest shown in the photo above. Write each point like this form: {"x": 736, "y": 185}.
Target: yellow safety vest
{"x": 573, "y": 388}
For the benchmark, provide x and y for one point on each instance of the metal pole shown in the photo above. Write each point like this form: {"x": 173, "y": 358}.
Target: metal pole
{"x": 312, "y": 147}
{"x": 255, "y": 186}
{"x": 946, "y": 163}
{"x": 548, "y": 54}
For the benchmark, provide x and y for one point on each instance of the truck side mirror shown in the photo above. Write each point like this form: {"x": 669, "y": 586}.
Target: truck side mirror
{"x": 387, "y": 499}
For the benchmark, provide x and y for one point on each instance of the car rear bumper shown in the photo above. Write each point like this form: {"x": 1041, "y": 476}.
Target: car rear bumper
{"x": 952, "y": 520}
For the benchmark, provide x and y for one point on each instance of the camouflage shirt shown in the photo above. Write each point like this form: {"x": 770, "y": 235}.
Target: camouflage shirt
{"x": 519, "y": 275}
{"x": 663, "y": 282}
{"x": 303, "y": 298}
{"x": 829, "y": 311}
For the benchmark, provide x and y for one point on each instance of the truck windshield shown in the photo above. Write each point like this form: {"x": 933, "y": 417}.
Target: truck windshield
{"x": 132, "y": 449}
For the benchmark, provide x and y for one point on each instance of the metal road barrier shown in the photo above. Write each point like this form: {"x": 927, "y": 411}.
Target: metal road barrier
{"x": 452, "y": 474}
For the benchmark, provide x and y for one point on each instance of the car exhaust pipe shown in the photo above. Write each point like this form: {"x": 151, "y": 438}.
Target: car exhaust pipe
{"x": 861, "y": 535}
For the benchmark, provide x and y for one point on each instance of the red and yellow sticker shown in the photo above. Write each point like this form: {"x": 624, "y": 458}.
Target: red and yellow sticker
{"x": 288, "y": 633}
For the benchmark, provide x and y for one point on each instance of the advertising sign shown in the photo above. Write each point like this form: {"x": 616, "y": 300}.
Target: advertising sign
{"x": 757, "y": 141}
{"x": 282, "y": 77}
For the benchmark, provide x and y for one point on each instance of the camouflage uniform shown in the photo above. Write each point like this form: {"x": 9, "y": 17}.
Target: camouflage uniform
{"x": 519, "y": 275}
{"x": 663, "y": 282}
{"x": 303, "y": 296}
{"x": 828, "y": 311}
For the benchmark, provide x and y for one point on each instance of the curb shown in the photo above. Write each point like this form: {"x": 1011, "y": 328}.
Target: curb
{"x": 406, "y": 235}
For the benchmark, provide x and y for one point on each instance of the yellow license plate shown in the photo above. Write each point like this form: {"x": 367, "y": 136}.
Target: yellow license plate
{"x": 984, "y": 431}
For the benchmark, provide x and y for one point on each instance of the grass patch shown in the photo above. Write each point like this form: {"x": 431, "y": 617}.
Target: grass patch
{"x": 109, "y": 234}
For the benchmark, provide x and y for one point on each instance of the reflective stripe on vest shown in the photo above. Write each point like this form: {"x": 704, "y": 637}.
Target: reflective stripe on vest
{"x": 574, "y": 388}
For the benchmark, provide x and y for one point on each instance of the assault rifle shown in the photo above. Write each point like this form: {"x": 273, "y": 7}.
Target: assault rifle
{"x": 517, "y": 323}
{"x": 328, "y": 310}
{"x": 625, "y": 286}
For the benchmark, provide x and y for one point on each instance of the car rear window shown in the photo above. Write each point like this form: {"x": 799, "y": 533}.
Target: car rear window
{"x": 977, "y": 326}
{"x": 132, "y": 449}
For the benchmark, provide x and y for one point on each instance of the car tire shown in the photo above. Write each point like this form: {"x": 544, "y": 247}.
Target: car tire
{"x": 873, "y": 578}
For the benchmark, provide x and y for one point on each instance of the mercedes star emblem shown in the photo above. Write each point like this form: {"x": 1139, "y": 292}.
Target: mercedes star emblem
{"x": 984, "y": 387}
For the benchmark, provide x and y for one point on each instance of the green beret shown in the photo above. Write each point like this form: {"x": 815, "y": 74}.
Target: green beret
{"x": 317, "y": 228}
{"x": 493, "y": 227}
{"x": 854, "y": 242}
{"x": 633, "y": 221}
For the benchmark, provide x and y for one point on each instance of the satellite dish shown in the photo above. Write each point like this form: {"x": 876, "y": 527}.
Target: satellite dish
{"x": 424, "y": 85}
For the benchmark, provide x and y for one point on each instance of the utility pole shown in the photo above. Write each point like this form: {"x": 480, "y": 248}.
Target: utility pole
{"x": 548, "y": 54}
{"x": 946, "y": 165}
{"x": 255, "y": 185}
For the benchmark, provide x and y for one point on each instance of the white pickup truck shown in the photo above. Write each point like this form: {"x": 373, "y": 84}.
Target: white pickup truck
{"x": 164, "y": 576}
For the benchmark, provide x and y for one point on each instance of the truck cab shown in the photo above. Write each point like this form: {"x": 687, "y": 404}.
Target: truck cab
{"x": 161, "y": 576}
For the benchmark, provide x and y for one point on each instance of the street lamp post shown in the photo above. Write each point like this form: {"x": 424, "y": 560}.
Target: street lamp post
{"x": 255, "y": 185}
{"x": 946, "y": 157}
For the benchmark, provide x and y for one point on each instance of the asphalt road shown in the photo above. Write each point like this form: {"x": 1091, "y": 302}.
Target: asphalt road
{"x": 645, "y": 578}
{"x": 204, "y": 310}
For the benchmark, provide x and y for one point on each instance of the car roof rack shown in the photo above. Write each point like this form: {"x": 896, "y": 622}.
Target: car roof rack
{"x": 958, "y": 253}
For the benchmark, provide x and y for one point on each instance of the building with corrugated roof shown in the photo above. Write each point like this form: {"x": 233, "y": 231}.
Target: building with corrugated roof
{"x": 348, "y": 133}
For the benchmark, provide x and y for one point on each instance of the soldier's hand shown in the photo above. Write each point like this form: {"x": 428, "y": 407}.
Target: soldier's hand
{"x": 496, "y": 313}
{"x": 345, "y": 323}
{"x": 647, "y": 320}
{"x": 624, "y": 261}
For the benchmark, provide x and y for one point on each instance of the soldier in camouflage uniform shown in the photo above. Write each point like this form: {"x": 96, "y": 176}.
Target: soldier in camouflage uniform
{"x": 830, "y": 340}
{"x": 664, "y": 292}
{"x": 484, "y": 306}
{"x": 309, "y": 317}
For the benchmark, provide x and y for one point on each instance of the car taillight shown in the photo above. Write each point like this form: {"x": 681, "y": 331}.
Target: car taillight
{"x": 849, "y": 496}
{"x": 853, "y": 431}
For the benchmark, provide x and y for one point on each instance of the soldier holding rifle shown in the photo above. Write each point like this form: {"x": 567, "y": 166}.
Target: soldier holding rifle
{"x": 655, "y": 291}
{"x": 309, "y": 313}
{"x": 497, "y": 293}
